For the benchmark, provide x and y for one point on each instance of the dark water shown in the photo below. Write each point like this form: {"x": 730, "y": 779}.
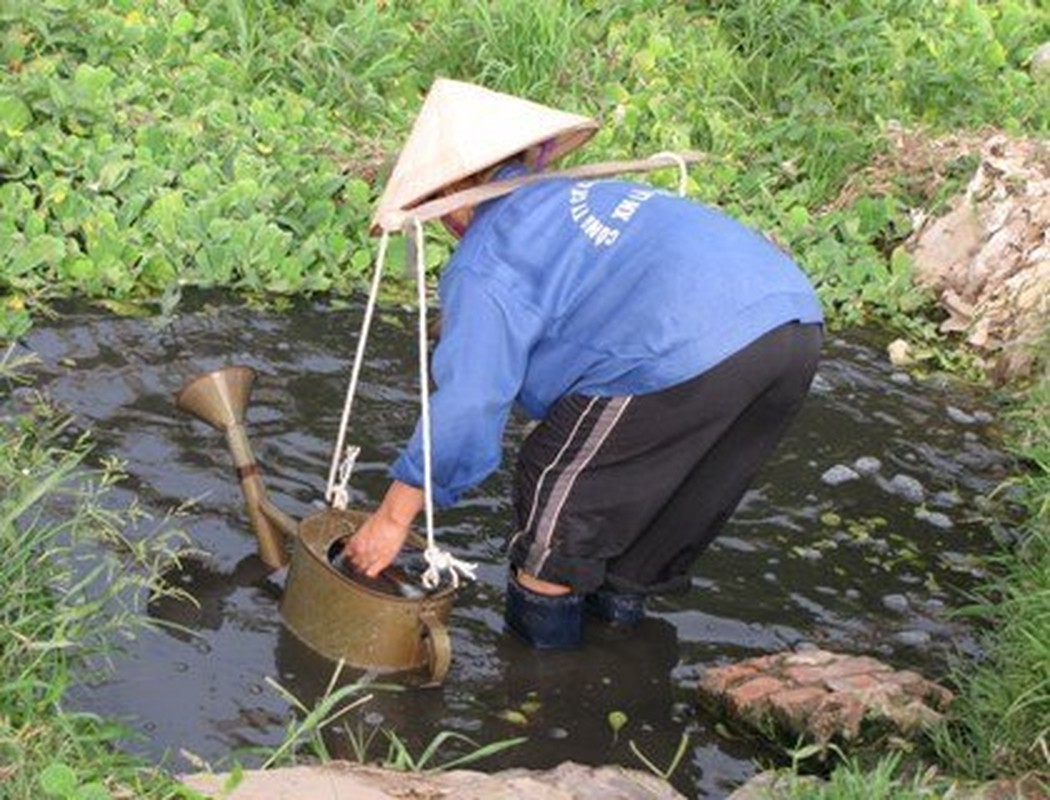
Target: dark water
{"x": 849, "y": 566}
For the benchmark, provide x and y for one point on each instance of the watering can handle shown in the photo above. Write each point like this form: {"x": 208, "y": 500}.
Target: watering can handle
{"x": 439, "y": 647}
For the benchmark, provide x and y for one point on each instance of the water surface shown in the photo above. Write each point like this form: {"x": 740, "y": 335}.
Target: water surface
{"x": 855, "y": 566}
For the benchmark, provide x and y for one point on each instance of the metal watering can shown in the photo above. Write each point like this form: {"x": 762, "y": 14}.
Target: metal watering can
{"x": 390, "y": 623}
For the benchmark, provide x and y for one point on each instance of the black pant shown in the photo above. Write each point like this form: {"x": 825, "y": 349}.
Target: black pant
{"x": 627, "y": 491}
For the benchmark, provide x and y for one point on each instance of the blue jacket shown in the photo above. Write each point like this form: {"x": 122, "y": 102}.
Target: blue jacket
{"x": 596, "y": 288}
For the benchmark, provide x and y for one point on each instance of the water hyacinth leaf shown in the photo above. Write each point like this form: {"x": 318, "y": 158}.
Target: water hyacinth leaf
{"x": 58, "y": 780}
{"x": 183, "y": 24}
{"x": 15, "y": 115}
{"x": 39, "y": 250}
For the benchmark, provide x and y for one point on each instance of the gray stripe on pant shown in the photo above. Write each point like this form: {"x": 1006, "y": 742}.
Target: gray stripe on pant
{"x": 541, "y": 544}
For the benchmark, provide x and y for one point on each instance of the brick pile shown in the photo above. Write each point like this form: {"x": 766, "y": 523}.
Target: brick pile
{"x": 824, "y": 696}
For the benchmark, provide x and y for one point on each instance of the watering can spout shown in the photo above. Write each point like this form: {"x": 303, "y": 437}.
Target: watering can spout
{"x": 220, "y": 399}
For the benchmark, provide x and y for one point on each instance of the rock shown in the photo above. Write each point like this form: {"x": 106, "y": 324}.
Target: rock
{"x": 839, "y": 473}
{"x": 935, "y": 518}
{"x": 946, "y": 499}
{"x": 960, "y": 416}
{"x": 867, "y": 465}
{"x": 340, "y": 780}
{"x": 913, "y": 638}
{"x": 822, "y": 696}
{"x": 907, "y": 487}
{"x": 899, "y": 352}
{"x": 896, "y": 602}
{"x": 986, "y": 257}
{"x": 983, "y": 417}
{"x": 774, "y": 786}
{"x": 901, "y": 378}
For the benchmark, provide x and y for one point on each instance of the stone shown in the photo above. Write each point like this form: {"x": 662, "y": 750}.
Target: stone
{"x": 775, "y": 786}
{"x": 746, "y": 698}
{"x": 946, "y": 499}
{"x": 935, "y": 518}
{"x": 960, "y": 416}
{"x": 896, "y": 602}
{"x": 822, "y": 696}
{"x": 838, "y": 474}
{"x": 913, "y": 638}
{"x": 900, "y": 353}
{"x": 907, "y": 487}
{"x": 901, "y": 378}
{"x": 340, "y": 780}
{"x": 867, "y": 465}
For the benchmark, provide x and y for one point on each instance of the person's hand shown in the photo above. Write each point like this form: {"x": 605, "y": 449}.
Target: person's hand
{"x": 376, "y": 544}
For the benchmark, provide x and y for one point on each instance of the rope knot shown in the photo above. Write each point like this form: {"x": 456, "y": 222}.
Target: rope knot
{"x": 439, "y": 561}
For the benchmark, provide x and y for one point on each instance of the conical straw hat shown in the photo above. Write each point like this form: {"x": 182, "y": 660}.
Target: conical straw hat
{"x": 463, "y": 129}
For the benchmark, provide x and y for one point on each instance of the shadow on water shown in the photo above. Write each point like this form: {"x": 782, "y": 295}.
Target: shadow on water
{"x": 870, "y": 564}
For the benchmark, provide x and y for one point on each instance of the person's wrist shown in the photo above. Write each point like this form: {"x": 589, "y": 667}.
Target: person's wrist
{"x": 392, "y": 517}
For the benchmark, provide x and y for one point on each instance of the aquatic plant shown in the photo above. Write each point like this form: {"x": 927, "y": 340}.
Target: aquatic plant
{"x": 73, "y": 585}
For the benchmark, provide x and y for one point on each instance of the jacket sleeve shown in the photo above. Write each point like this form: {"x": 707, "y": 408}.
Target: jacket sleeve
{"x": 479, "y": 365}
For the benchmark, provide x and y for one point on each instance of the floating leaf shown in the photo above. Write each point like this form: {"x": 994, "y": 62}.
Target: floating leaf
{"x": 514, "y": 717}
{"x": 58, "y": 780}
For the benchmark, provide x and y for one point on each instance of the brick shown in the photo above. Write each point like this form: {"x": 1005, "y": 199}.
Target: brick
{"x": 719, "y": 680}
{"x": 793, "y": 706}
{"x": 906, "y": 679}
{"x": 805, "y": 676}
{"x": 854, "y": 665}
{"x": 747, "y": 697}
{"x": 838, "y": 714}
{"x": 855, "y": 683}
{"x": 809, "y": 658}
{"x": 913, "y": 716}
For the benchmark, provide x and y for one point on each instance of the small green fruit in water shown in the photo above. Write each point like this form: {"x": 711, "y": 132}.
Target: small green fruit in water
{"x": 617, "y": 719}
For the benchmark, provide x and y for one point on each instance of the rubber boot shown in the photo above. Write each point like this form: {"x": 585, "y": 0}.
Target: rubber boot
{"x": 547, "y": 622}
{"x": 624, "y": 609}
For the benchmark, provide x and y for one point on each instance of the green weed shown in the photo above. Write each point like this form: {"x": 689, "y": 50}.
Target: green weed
{"x": 73, "y": 585}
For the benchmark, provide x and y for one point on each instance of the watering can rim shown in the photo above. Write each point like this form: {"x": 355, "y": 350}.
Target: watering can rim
{"x": 430, "y": 596}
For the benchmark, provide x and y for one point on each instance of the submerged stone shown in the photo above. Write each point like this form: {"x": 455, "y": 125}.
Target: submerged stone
{"x": 935, "y": 518}
{"x": 896, "y": 602}
{"x": 913, "y": 638}
{"x": 960, "y": 416}
{"x": 867, "y": 465}
{"x": 839, "y": 473}
{"x": 907, "y": 487}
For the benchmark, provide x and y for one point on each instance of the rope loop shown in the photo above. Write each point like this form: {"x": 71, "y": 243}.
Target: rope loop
{"x": 683, "y": 169}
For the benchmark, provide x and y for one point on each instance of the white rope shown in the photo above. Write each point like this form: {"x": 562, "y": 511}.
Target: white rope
{"x": 338, "y": 493}
{"x": 683, "y": 169}
{"x": 438, "y": 560}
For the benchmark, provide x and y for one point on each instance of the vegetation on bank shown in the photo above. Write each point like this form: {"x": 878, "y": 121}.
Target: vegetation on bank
{"x": 72, "y": 583}
{"x": 241, "y": 143}
{"x": 150, "y": 145}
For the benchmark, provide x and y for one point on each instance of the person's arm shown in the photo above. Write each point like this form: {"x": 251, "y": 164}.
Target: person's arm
{"x": 478, "y": 367}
